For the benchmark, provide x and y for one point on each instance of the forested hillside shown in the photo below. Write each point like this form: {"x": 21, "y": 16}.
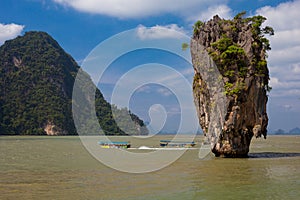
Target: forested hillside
{"x": 37, "y": 78}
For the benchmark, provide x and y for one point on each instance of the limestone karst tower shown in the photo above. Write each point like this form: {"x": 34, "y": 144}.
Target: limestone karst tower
{"x": 231, "y": 81}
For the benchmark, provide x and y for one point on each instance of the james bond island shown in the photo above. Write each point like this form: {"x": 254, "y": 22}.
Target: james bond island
{"x": 231, "y": 99}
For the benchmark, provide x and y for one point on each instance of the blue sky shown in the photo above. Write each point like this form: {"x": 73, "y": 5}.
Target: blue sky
{"x": 80, "y": 25}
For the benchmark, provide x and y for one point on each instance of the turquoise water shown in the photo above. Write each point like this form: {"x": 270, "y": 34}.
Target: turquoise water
{"x": 61, "y": 168}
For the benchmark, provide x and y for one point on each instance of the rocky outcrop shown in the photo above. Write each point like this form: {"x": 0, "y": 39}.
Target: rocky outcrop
{"x": 52, "y": 129}
{"x": 231, "y": 82}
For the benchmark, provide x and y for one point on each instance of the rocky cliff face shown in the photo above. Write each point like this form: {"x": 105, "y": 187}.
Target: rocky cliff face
{"x": 231, "y": 82}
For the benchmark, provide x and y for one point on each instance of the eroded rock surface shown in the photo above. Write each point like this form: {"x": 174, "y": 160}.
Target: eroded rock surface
{"x": 230, "y": 87}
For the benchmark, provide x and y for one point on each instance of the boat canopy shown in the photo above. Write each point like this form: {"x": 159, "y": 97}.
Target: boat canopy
{"x": 113, "y": 143}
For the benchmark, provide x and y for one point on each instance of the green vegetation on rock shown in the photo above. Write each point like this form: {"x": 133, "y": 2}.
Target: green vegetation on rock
{"x": 229, "y": 53}
{"x": 197, "y": 26}
{"x": 37, "y": 78}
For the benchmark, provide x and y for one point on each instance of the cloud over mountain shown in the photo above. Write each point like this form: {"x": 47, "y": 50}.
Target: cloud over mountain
{"x": 160, "y": 32}
{"x": 9, "y": 31}
{"x": 222, "y": 10}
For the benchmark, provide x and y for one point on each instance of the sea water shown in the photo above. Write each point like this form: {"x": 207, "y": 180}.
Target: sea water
{"x": 61, "y": 168}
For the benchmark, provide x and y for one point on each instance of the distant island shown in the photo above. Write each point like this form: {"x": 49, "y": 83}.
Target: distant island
{"x": 37, "y": 78}
{"x": 294, "y": 131}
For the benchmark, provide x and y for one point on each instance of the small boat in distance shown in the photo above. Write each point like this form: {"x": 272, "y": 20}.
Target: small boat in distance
{"x": 115, "y": 145}
{"x": 177, "y": 144}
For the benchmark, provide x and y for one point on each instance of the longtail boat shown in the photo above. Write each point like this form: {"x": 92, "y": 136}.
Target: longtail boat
{"x": 117, "y": 145}
{"x": 181, "y": 144}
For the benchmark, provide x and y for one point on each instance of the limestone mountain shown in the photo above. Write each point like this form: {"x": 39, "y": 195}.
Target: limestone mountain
{"x": 37, "y": 78}
{"x": 231, "y": 81}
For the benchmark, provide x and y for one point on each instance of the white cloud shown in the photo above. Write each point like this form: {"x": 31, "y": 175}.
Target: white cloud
{"x": 144, "y": 88}
{"x": 9, "y": 31}
{"x": 290, "y": 93}
{"x": 289, "y": 37}
{"x": 296, "y": 68}
{"x": 287, "y": 106}
{"x": 278, "y": 84}
{"x": 284, "y": 60}
{"x": 284, "y": 55}
{"x": 175, "y": 110}
{"x": 140, "y": 8}
{"x": 164, "y": 92}
{"x": 160, "y": 32}
{"x": 222, "y": 10}
{"x": 160, "y": 90}
{"x": 284, "y": 16}
{"x": 188, "y": 72}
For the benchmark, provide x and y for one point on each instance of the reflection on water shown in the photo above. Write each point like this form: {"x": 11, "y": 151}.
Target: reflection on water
{"x": 60, "y": 168}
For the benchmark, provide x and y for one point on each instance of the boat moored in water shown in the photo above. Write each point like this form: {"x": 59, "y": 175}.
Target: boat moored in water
{"x": 115, "y": 145}
{"x": 177, "y": 144}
